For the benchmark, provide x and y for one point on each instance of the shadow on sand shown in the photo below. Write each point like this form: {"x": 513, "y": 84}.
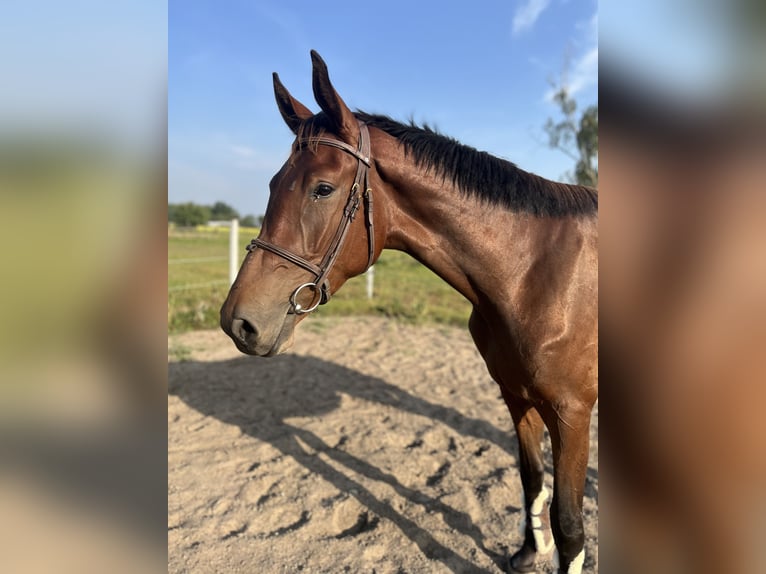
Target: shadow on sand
{"x": 259, "y": 396}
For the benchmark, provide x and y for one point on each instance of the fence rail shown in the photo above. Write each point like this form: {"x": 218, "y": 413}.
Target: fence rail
{"x": 234, "y": 262}
{"x": 189, "y": 286}
{"x": 233, "y": 259}
{"x": 195, "y": 260}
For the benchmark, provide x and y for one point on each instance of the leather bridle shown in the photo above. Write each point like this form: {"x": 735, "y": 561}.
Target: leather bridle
{"x": 321, "y": 283}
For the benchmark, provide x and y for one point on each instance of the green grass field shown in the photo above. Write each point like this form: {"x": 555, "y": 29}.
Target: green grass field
{"x": 404, "y": 289}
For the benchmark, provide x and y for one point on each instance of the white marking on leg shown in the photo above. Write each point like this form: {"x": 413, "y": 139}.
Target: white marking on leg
{"x": 538, "y": 530}
{"x": 575, "y": 566}
{"x": 537, "y": 505}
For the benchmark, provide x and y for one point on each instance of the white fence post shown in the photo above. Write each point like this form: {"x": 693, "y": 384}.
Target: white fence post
{"x": 233, "y": 250}
{"x": 370, "y": 280}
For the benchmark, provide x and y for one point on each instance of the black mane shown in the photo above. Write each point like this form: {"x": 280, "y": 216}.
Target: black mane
{"x": 476, "y": 173}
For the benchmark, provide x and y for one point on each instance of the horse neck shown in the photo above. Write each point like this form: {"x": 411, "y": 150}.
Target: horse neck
{"x": 483, "y": 250}
{"x": 459, "y": 238}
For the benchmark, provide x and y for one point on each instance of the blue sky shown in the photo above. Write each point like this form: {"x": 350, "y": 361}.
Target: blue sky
{"x": 85, "y": 67}
{"x": 479, "y": 72}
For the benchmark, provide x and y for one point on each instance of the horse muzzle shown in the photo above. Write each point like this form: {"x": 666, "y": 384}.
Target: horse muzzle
{"x": 262, "y": 338}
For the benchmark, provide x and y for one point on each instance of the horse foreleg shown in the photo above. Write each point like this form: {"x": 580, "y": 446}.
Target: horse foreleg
{"x": 537, "y": 536}
{"x": 569, "y": 430}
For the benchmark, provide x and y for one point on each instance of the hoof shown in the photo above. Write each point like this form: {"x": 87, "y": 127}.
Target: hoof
{"x": 523, "y": 560}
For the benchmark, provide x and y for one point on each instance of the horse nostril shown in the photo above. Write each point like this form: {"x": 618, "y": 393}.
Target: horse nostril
{"x": 243, "y": 329}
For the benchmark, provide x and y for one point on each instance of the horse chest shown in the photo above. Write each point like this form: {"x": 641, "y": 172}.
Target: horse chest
{"x": 502, "y": 352}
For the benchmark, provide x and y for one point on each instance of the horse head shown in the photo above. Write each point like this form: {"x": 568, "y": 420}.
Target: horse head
{"x": 311, "y": 240}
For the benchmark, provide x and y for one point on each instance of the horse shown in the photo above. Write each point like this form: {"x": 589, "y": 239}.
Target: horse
{"x": 520, "y": 248}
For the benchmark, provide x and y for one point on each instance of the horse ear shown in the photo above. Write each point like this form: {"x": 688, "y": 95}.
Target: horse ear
{"x": 331, "y": 103}
{"x": 293, "y": 112}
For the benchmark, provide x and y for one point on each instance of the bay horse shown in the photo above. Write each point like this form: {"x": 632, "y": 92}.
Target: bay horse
{"x": 520, "y": 248}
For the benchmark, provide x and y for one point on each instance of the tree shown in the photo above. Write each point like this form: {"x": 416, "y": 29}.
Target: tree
{"x": 222, "y": 211}
{"x": 249, "y": 221}
{"x": 188, "y": 214}
{"x": 576, "y": 138}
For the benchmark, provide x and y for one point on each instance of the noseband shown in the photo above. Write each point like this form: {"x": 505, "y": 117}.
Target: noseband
{"x": 360, "y": 192}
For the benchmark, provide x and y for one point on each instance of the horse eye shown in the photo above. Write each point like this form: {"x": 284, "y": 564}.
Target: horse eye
{"x": 323, "y": 190}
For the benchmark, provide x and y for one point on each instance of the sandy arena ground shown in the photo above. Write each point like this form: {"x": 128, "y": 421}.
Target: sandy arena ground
{"x": 372, "y": 447}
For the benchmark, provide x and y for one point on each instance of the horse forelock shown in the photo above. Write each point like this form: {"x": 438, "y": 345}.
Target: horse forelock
{"x": 310, "y": 131}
